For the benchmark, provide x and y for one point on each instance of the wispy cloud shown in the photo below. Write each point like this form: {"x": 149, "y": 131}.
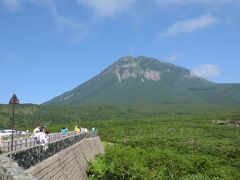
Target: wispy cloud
{"x": 108, "y": 8}
{"x": 190, "y": 25}
{"x": 206, "y": 71}
{"x": 12, "y": 5}
{"x": 79, "y": 30}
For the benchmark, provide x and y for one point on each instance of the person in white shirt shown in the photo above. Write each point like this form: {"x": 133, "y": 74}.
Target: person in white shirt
{"x": 42, "y": 137}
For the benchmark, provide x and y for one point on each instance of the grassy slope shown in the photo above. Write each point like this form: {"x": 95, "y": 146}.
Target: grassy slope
{"x": 169, "y": 144}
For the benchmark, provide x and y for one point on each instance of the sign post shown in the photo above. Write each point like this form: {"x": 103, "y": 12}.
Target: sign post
{"x": 14, "y": 100}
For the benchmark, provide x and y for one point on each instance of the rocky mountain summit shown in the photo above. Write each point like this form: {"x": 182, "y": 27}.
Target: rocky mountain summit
{"x": 128, "y": 67}
{"x": 148, "y": 82}
{"x": 145, "y": 69}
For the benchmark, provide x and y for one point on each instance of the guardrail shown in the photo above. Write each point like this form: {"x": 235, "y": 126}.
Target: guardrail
{"x": 19, "y": 144}
{"x": 33, "y": 155}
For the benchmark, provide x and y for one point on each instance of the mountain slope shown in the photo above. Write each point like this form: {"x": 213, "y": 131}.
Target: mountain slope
{"x": 148, "y": 83}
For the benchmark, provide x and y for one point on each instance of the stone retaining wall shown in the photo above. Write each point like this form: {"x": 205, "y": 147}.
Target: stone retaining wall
{"x": 31, "y": 156}
{"x": 9, "y": 170}
{"x": 69, "y": 163}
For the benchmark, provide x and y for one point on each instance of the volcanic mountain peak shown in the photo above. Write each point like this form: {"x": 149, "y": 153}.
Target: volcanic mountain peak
{"x": 146, "y": 82}
{"x": 144, "y": 68}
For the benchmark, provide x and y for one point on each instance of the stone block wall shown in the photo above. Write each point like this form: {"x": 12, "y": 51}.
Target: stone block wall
{"x": 70, "y": 163}
{"x": 31, "y": 156}
{"x": 9, "y": 170}
{"x": 62, "y": 160}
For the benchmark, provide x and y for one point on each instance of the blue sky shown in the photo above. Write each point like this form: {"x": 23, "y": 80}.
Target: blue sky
{"x": 48, "y": 47}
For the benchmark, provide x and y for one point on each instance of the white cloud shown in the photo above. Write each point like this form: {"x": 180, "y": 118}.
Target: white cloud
{"x": 79, "y": 31}
{"x": 206, "y": 71}
{"x": 190, "y": 25}
{"x": 13, "y": 5}
{"x": 108, "y": 8}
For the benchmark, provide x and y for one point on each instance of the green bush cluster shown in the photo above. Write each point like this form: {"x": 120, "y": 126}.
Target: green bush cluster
{"x": 167, "y": 148}
{"x": 121, "y": 162}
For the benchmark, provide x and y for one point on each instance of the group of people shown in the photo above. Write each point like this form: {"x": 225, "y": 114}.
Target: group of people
{"x": 40, "y": 135}
{"x": 80, "y": 130}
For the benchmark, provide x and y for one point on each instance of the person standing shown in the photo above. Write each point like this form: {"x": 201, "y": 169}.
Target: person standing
{"x": 93, "y": 130}
{"x": 76, "y": 130}
{"x": 42, "y": 137}
{"x": 64, "y": 131}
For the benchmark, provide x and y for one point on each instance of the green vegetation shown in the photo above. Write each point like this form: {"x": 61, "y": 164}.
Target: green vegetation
{"x": 167, "y": 148}
{"x": 156, "y": 119}
{"x": 171, "y": 143}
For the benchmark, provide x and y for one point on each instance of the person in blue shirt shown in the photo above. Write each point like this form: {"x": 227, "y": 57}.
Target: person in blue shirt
{"x": 94, "y": 130}
{"x": 64, "y": 131}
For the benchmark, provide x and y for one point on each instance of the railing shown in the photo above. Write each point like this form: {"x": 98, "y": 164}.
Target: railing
{"x": 19, "y": 144}
{"x": 38, "y": 153}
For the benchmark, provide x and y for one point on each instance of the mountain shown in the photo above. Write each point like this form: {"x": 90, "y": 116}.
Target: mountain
{"x": 149, "y": 83}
